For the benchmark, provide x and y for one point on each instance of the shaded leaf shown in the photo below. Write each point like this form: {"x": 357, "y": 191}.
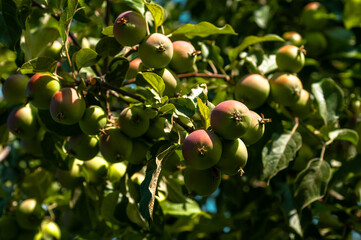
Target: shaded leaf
{"x": 148, "y": 188}
{"x": 85, "y": 57}
{"x": 108, "y": 46}
{"x": 117, "y": 69}
{"x": 40, "y": 64}
{"x": 250, "y": 40}
{"x": 203, "y": 29}
{"x": 311, "y": 183}
{"x": 184, "y": 105}
{"x": 277, "y": 154}
{"x": 9, "y": 24}
{"x": 330, "y": 99}
{"x": 344, "y": 134}
{"x": 157, "y": 12}
{"x": 66, "y": 18}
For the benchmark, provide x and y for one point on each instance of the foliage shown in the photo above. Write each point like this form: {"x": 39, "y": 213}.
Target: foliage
{"x": 302, "y": 180}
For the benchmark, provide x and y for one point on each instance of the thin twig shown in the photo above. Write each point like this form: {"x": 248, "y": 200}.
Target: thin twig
{"x": 204, "y": 75}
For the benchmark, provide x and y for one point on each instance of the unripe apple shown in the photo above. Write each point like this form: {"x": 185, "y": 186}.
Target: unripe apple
{"x": 22, "y": 122}
{"x": 33, "y": 145}
{"x": 67, "y": 106}
{"x": 314, "y": 16}
{"x": 201, "y": 149}
{"x": 115, "y": 146}
{"x": 134, "y": 68}
{"x": 41, "y": 88}
{"x": 83, "y": 147}
{"x": 202, "y": 182}
{"x": 285, "y": 88}
{"x": 156, "y": 128}
{"x": 184, "y": 57}
{"x": 171, "y": 82}
{"x": 302, "y": 108}
{"x": 316, "y": 43}
{"x": 29, "y": 214}
{"x": 133, "y": 121}
{"x": 234, "y": 157}
{"x": 139, "y": 152}
{"x": 72, "y": 177}
{"x": 290, "y": 58}
{"x": 293, "y": 37}
{"x": 230, "y": 119}
{"x": 252, "y": 90}
{"x": 97, "y": 169}
{"x": 93, "y": 120}
{"x": 14, "y": 88}
{"x": 129, "y": 28}
{"x": 256, "y": 129}
{"x": 156, "y": 51}
{"x": 116, "y": 171}
{"x": 50, "y": 230}
{"x": 53, "y": 50}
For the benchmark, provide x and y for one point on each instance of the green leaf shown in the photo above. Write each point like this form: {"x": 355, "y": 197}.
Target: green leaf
{"x": 116, "y": 71}
{"x": 205, "y": 113}
{"x": 166, "y": 108}
{"x": 149, "y": 186}
{"x": 85, "y": 57}
{"x": 184, "y": 105}
{"x": 39, "y": 64}
{"x": 157, "y": 12}
{"x": 352, "y": 13}
{"x": 108, "y": 46}
{"x": 311, "y": 183}
{"x": 189, "y": 208}
{"x": 9, "y": 24}
{"x": 203, "y": 29}
{"x": 344, "y": 134}
{"x": 250, "y": 40}
{"x": 277, "y": 154}
{"x": 330, "y": 99}
{"x": 154, "y": 80}
{"x": 66, "y": 18}
{"x": 262, "y": 16}
{"x": 108, "y": 31}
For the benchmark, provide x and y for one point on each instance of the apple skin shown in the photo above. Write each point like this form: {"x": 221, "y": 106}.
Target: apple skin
{"x": 93, "y": 120}
{"x": 97, "y": 169}
{"x": 83, "y": 147}
{"x": 184, "y": 57}
{"x": 202, "y": 182}
{"x": 156, "y": 51}
{"x": 234, "y": 157}
{"x": 67, "y": 106}
{"x": 22, "y": 122}
{"x": 115, "y": 146}
{"x": 201, "y": 149}
{"x": 134, "y": 68}
{"x": 50, "y": 230}
{"x": 285, "y": 88}
{"x": 290, "y": 58}
{"x": 116, "y": 171}
{"x": 14, "y": 88}
{"x": 133, "y": 121}
{"x": 255, "y": 131}
{"x": 129, "y": 28}
{"x": 29, "y": 214}
{"x": 230, "y": 119}
{"x": 293, "y": 38}
{"x": 252, "y": 90}
{"x": 41, "y": 88}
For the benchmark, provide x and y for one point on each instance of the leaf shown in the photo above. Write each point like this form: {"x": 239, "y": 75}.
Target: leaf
{"x": 116, "y": 71}
{"x": 262, "y": 16}
{"x": 352, "y": 13}
{"x": 330, "y": 99}
{"x": 157, "y": 12}
{"x": 205, "y": 113}
{"x": 85, "y": 57}
{"x": 250, "y": 40}
{"x": 344, "y": 134}
{"x": 9, "y": 24}
{"x": 166, "y": 108}
{"x": 277, "y": 154}
{"x": 311, "y": 183}
{"x": 154, "y": 80}
{"x": 39, "y": 64}
{"x": 203, "y": 29}
{"x": 108, "y": 31}
{"x": 184, "y": 105}
{"x": 189, "y": 208}
{"x": 108, "y": 46}
{"x": 148, "y": 188}
{"x": 66, "y": 18}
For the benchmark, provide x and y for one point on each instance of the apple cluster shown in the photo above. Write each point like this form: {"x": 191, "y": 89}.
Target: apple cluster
{"x": 222, "y": 149}
{"x": 28, "y": 223}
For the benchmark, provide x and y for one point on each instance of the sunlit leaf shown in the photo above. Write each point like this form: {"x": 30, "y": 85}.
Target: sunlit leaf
{"x": 203, "y": 29}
